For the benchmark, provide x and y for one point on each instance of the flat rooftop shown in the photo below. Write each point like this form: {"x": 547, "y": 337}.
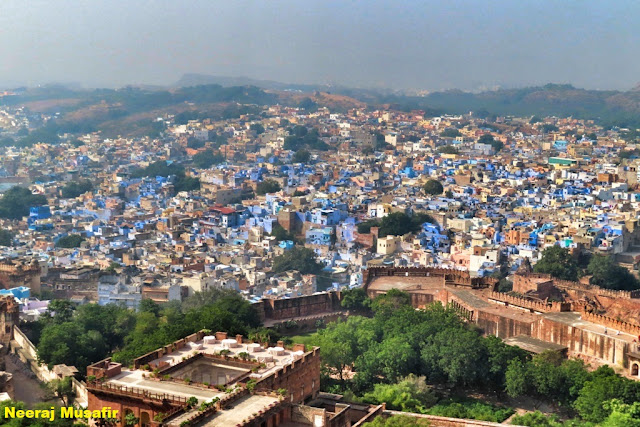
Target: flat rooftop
{"x": 474, "y": 299}
{"x": 533, "y": 345}
{"x": 575, "y": 320}
{"x": 134, "y": 379}
{"x": 241, "y": 409}
{"x": 273, "y": 358}
{"x": 385, "y": 283}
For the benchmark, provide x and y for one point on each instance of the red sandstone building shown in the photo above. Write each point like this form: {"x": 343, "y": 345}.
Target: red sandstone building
{"x": 240, "y": 384}
{"x": 577, "y": 324}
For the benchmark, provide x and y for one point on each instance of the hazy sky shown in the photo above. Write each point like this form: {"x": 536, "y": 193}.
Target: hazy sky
{"x": 398, "y": 43}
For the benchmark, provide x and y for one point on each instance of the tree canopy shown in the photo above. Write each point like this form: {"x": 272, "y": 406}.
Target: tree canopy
{"x": 301, "y": 137}
{"x": 433, "y": 187}
{"x": 398, "y": 421}
{"x": 257, "y": 128}
{"x": 91, "y": 332}
{"x": 166, "y": 169}
{"x": 267, "y": 186}
{"x": 300, "y": 259}
{"x": 6, "y": 237}
{"x": 301, "y": 156}
{"x": 557, "y": 262}
{"x": 609, "y": 275}
{"x": 207, "y": 158}
{"x": 448, "y": 149}
{"x": 450, "y": 133}
{"x": 70, "y": 241}
{"x": 74, "y": 189}
{"x": 396, "y": 224}
{"x": 16, "y": 201}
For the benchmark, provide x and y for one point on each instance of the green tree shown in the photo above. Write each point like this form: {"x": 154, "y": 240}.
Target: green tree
{"x": 300, "y": 259}
{"x": 557, "y": 262}
{"x": 166, "y": 169}
{"x": 70, "y": 241}
{"x": 448, "y": 149}
{"x": 16, "y": 201}
{"x": 433, "y": 187}
{"x": 308, "y": 104}
{"x": 499, "y": 357}
{"x": 622, "y": 414}
{"x": 74, "y": 189}
{"x": 338, "y": 344}
{"x": 7, "y": 142}
{"x": 35, "y": 422}
{"x": 113, "y": 266}
{"x": 391, "y": 359}
{"x": 257, "y": 128}
{"x": 206, "y": 159}
{"x": 355, "y": 299}
{"x": 60, "y": 310}
{"x": 301, "y": 156}
{"x": 205, "y": 298}
{"x": 301, "y": 137}
{"x": 267, "y": 186}
{"x": 131, "y": 420}
{"x": 6, "y": 238}
{"x": 607, "y": 274}
{"x": 150, "y": 306}
{"x": 536, "y": 419}
{"x": 450, "y": 133}
{"x": 517, "y": 381}
{"x": 365, "y": 227}
{"x": 386, "y": 304}
{"x": 410, "y": 394}
{"x": 398, "y": 421}
{"x": 489, "y": 139}
{"x": 592, "y": 398}
{"x": 548, "y": 377}
{"x": 281, "y": 234}
{"x": 195, "y": 143}
{"x": 398, "y": 224}
{"x": 460, "y": 357}
{"x": 67, "y": 343}
{"x": 63, "y": 388}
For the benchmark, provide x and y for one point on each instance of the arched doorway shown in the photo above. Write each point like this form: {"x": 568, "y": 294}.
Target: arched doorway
{"x": 145, "y": 419}
{"x": 127, "y": 411}
{"x": 634, "y": 369}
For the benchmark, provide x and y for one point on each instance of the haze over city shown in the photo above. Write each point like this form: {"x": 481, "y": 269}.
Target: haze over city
{"x": 319, "y": 213}
{"x": 427, "y": 45}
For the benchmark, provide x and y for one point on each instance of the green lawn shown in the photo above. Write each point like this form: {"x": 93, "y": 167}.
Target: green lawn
{"x": 307, "y": 339}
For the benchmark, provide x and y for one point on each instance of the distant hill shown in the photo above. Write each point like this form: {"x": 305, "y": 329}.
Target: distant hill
{"x": 607, "y": 107}
{"x": 562, "y": 100}
{"x": 131, "y": 110}
{"x": 188, "y": 80}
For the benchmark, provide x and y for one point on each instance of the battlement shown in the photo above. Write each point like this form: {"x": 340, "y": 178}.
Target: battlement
{"x": 176, "y": 345}
{"x": 104, "y": 369}
{"x": 134, "y": 392}
{"x": 11, "y": 267}
{"x": 308, "y": 305}
{"x": 568, "y": 284}
{"x": 612, "y": 323}
{"x": 451, "y": 276}
{"x": 543, "y": 307}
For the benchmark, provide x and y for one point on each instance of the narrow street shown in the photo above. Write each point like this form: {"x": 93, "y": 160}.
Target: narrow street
{"x": 26, "y": 386}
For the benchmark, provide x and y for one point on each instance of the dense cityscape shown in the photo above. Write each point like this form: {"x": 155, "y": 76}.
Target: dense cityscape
{"x": 342, "y": 214}
{"x": 287, "y": 227}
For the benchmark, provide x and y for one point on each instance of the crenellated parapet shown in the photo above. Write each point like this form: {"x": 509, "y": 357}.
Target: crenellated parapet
{"x": 452, "y": 277}
{"x": 537, "y": 306}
